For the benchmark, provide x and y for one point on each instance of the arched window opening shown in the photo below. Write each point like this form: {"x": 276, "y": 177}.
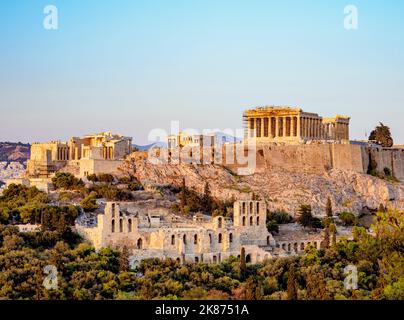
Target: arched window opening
{"x": 251, "y": 221}
{"x": 220, "y": 238}
{"x": 243, "y": 221}
{"x": 195, "y": 239}
{"x": 139, "y": 243}
{"x": 173, "y": 239}
{"x": 184, "y": 239}
{"x": 230, "y": 237}
{"x": 113, "y": 226}
{"x": 219, "y": 222}
{"x": 120, "y": 225}
{"x": 129, "y": 225}
{"x": 258, "y": 221}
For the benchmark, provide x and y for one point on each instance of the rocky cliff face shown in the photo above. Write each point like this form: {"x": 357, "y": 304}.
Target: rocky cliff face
{"x": 349, "y": 191}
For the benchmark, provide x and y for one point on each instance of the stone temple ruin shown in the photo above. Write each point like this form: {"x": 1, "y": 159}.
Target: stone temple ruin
{"x": 158, "y": 233}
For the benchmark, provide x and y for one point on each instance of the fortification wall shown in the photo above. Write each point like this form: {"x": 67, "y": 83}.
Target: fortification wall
{"x": 393, "y": 159}
{"x": 319, "y": 158}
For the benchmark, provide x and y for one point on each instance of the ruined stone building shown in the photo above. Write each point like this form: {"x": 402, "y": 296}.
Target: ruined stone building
{"x": 159, "y": 233}
{"x": 98, "y": 153}
{"x": 293, "y": 126}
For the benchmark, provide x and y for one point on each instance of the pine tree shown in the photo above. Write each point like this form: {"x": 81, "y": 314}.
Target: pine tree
{"x": 305, "y": 217}
{"x": 382, "y": 135}
{"x": 243, "y": 265}
{"x": 291, "y": 285}
{"x": 328, "y": 208}
{"x": 207, "y": 199}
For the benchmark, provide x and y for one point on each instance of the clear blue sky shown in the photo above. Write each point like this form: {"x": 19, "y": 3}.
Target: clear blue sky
{"x": 131, "y": 66}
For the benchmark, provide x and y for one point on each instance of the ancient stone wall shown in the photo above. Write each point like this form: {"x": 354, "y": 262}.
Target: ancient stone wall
{"x": 319, "y": 158}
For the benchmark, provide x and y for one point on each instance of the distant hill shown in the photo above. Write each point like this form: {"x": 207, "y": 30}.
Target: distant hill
{"x": 14, "y": 152}
{"x": 148, "y": 146}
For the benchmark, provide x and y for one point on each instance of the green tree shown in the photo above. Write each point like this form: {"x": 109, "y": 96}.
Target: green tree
{"x": 243, "y": 265}
{"x": 328, "y": 208}
{"x": 124, "y": 260}
{"x": 207, "y": 199}
{"x": 325, "y": 244}
{"x": 382, "y": 135}
{"x": 305, "y": 216}
{"x": 89, "y": 203}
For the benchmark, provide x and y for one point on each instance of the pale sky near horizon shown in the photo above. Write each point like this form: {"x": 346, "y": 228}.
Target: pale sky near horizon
{"x": 132, "y": 66}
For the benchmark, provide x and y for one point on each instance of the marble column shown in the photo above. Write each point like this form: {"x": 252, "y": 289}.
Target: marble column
{"x": 284, "y": 122}
{"x": 276, "y": 127}
{"x": 270, "y": 127}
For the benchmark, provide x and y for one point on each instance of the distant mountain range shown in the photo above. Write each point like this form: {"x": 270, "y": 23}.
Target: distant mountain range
{"x": 14, "y": 152}
{"x": 221, "y": 137}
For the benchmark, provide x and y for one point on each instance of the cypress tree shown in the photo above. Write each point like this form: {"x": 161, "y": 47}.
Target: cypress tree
{"x": 291, "y": 285}
{"x": 328, "y": 208}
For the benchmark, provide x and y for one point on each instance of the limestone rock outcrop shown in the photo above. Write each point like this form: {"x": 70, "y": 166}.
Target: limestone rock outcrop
{"x": 282, "y": 190}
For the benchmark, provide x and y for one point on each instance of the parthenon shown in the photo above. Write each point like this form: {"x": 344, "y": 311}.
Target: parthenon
{"x": 293, "y": 125}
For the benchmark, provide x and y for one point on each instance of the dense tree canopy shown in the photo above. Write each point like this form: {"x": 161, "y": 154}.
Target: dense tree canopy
{"x": 382, "y": 135}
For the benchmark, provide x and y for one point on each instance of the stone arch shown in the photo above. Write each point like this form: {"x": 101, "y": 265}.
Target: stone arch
{"x": 230, "y": 237}
{"x": 214, "y": 259}
{"x": 243, "y": 221}
{"x": 196, "y": 259}
{"x": 173, "y": 239}
{"x": 268, "y": 240}
{"x": 184, "y": 239}
{"x": 284, "y": 246}
{"x": 219, "y": 222}
{"x": 120, "y": 225}
{"x": 295, "y": 246}
{"x": 302, "y": 246}
{"x": 243, "y": 207}
{"x": 248, "y": 258}
{"x": 258, "y": 221}
{"x": 195, "y": 239}
{"x": 258, "y": 208}
{"x": 139, "y": 243}
{"x": 251, "y": 207}
{"x": 112, "y": 226}
{"x": 220, "y": 238}
{"x": 129, "y": 225}
{"x": 251, "y": 221}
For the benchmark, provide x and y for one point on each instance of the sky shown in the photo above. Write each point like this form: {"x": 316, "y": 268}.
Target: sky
{"x": 131, "y": 66}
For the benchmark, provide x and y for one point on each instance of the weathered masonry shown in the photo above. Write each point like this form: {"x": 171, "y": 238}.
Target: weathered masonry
{"x": 293, "y": 126}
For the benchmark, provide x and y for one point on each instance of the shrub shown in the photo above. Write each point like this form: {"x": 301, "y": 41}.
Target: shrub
{"x": 280, "y": 217}
{"x": 89, "y": 203}
{"x": 348, "y": 218}
{"x": 66, "y": 180}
